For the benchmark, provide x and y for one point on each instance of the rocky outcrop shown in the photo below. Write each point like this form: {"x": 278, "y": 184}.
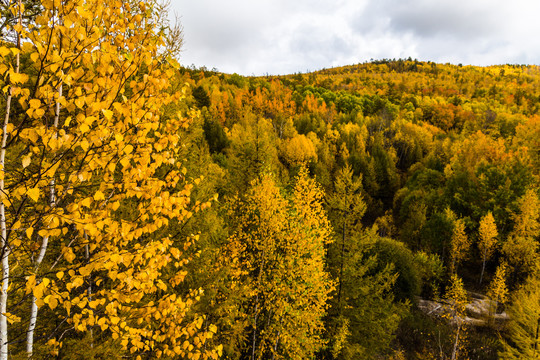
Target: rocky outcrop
{"x": 479, "y": 311}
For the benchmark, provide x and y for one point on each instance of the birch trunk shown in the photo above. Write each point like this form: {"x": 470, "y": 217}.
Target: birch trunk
{"x": 456, "y": 343}
{"x": 4, "y": 246}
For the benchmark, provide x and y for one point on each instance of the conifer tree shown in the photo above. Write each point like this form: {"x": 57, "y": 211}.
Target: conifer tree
{"x": 457, "y": 297}
{"x": 498, "y": 290}
{"x": 488, "y": 237}
{"x": 363, "y": 314}
{"x": 459, "y": 243}
{"x": 279, "y": 249}
{"x": 520, "y": 249}
{"x": 524, "y": 328}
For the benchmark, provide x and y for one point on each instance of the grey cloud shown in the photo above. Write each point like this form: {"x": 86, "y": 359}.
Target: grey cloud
{"x": 426, "y": 19}
{"x": 283, "y": 36}
{"x": 432, "y": 22}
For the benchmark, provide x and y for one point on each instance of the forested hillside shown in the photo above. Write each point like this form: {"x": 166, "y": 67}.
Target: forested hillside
{"x": 151, "y": 210}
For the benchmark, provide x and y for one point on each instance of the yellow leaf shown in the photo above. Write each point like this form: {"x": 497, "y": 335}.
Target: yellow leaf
{"x": 124, "y": 162}
{"x": 86, "y": 202}
{"x": 212, "y": 328}
{"x": 84, "y": 143}
{"x": 107, "y": 113}
{"x": 78, "y": 281}
{"x": 79, "y": 102}
{"x": 29, "y": 232}
{"x": 39, "y": 113}
{"x": 60, "y": 275}
{"x": 128, "y": 149}
{"x": 69, "y": 255}
{"x": 219, "y": 349}
{"x": 199, "y": 323}
{"x": 33, "y": 194}
{"x": 67, "y": 306}
{"x": 99, "y": 196}
{"x": 34, "y": 103}
{"x": 37, "y": 291}
{"x": 53, "y": 302}
{"x": 26, "y": 161}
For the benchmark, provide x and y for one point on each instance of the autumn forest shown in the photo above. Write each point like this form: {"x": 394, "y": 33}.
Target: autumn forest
{"x": 383, "y": 210}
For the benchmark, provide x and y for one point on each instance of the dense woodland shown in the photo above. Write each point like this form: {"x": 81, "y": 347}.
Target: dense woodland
{"x": 152, "y": 210}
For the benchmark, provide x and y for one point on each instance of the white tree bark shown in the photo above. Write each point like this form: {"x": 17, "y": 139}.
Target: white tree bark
{"x": 4, "y": 246}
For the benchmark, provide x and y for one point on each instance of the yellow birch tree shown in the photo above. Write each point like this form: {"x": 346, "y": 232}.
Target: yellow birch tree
{"x": 93, "y": 183}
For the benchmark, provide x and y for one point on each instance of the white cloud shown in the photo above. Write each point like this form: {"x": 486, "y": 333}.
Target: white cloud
{"x": 284, "y": 36}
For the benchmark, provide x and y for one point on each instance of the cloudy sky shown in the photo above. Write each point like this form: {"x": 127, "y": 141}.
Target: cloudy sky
{"x": 255, "y": 37}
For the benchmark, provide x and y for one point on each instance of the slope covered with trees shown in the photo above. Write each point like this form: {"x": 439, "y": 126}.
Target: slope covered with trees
{"x": 151, "y": 210}
{"x": 431, "y": 179}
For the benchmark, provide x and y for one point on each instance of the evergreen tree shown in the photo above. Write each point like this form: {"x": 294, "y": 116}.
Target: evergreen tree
{"x": 522, "y": 341}
{"x": 363, "y": 315}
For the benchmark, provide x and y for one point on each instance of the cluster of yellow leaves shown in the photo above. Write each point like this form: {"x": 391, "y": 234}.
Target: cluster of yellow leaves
{"x": 298, "y": 150}
{"x": 100, "y": 63}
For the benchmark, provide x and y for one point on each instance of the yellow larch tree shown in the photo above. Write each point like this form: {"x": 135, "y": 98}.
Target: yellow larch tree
{"x": 457, "y": 298}
{"x": 459, "y": 242}
{"x": 520, "y": 249}
{"x": 522, "y": 337}
{"x": 488, "y": 239}
{"x": 498, "y": 291}
{"x": 280, "y": 268}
